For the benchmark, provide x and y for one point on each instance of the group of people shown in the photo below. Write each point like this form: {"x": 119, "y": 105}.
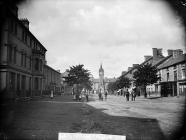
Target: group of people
{"x": 80, "y": 94}
{"x": 132, "y": 93}
{"x": 101, "y": 93}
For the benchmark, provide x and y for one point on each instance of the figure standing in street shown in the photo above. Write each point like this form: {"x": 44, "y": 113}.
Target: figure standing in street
{"x": 51, "y": 95}
{"x": 127, "y": 95}
{"x": 133, "y": 94}
{"x": 106, "y": 93}
{"x": 86, "y": 95}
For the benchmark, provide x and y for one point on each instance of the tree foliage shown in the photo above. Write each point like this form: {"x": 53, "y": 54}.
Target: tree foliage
{"x": 145, "y": 75}
{"x": 121, "y": 82}
{"x": 78, "y": 75}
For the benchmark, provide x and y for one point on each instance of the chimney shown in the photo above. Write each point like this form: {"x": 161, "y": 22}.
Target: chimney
{"x": 129, "y": 68}
{"x": 146, "y": 57}
{"x": 177, "y": 53}
{"x": 123, "y": 72}
{"x": 157, "y": 52}
{"x": 25, "y": 22}
{"x": 170, "y": 52}
{"x": 135, "y": 65}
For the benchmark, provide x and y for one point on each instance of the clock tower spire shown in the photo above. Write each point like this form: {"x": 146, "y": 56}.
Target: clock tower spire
{"x": 101, "y": 77}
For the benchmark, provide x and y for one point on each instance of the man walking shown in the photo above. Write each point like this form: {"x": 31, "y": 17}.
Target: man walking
{"x": 133, "y": 93}
{"x": 127, "y": 95}
{"x": 106, "y": 93}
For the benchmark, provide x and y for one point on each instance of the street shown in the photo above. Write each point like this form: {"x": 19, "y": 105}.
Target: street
{"x": 149, "y": 119}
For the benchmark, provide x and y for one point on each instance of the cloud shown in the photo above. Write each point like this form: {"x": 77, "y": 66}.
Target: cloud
{"x": 115, "y": 32}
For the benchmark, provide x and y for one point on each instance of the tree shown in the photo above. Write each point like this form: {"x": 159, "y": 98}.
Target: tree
{"x": 121, "y": 82}
{"x": 112, "y": 86}
{"x": 145, "y": 75}
{"x": 78, "y": 75}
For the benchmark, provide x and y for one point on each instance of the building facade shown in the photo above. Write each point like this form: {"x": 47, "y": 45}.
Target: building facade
{"x": 52, "y": 81}
{"x": 102, "y": 82}
{"x": 171, "y": 70}
{"x": 22, "y": 57}
{"x": 173, "y": 75}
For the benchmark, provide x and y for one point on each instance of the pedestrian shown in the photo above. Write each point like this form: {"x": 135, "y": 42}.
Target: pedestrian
{"x": 76, "y": 92}
{"x": 51, "y": 95}
{"x": 133, "y": 94}
{"x": 86, "y": 95}
{"x": 127, "y": 95}
{"x": 106, "y": 93}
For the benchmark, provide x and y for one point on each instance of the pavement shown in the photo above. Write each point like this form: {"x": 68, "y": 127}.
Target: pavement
{"x": 44, "y": 118}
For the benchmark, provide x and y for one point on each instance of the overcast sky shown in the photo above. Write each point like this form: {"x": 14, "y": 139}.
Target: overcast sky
{"x": 116, "y": 33}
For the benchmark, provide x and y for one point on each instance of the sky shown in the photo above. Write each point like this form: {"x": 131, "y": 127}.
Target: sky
{"x": 116, "y": 33}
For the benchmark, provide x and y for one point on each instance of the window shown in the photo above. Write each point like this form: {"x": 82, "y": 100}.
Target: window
{"x": 175, "y": 67}
{"x": 22, "y": 58}
{"x": 36, "y": 64}
{"x": 25, "y": 60}
{"x": 15, "y": 55}
{"x": 23, "y": 34}
{"x": 175, "y": 75}
{"x": 11, "y": 25}
{"x": 23, "y": 82}
{"x": 36, "y": 82}
{"x": 25, "y": 38}
{"x": 30, "y": 62}
{"x": 30, "y": 42}
{"x": 159, "y": 75}
{"x": 10, "y": 54}
{"x": 183, "y": 74}
{"x": 12, "y": 80}
{"x": 167, "y": 76}
{"x": 18, "y": 82}
{"x": 30, "y": 81}
{"x": 15, "y": 28}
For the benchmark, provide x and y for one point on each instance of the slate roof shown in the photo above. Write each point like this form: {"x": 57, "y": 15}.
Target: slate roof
{"x": 173, "y": 61}
{"x": 140, "y": 64}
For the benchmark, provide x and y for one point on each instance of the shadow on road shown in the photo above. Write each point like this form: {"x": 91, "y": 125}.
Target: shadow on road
{"x": 44, "y": 120}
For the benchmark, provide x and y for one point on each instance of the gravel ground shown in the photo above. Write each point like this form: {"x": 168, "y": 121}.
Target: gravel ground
{"x": 149, "y": 119}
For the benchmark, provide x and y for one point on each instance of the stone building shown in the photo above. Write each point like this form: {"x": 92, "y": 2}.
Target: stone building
{"x": 171, "y": 70}
{"x": 173, "y": 74}
{"x": 22, "y": 57}
{"x": 52, "y": 80}
{"x": 156, "y": 59}
{"x": 102, "y": 82}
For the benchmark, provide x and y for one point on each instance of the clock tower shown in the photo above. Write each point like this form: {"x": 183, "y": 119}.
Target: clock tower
{"x": 101, "y": 78}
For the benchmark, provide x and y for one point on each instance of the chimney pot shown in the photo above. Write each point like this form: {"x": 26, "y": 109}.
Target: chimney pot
{"x": 170, "y": 52}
